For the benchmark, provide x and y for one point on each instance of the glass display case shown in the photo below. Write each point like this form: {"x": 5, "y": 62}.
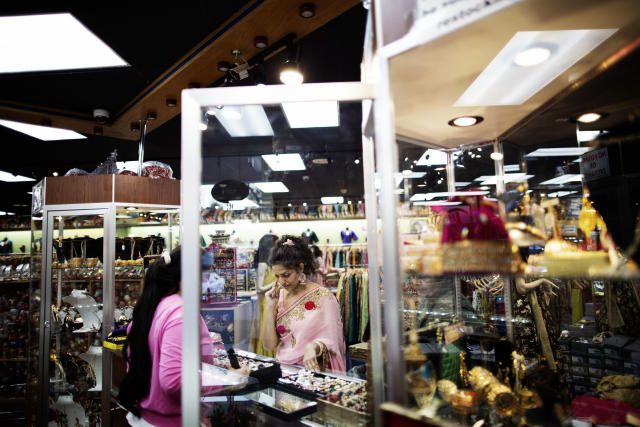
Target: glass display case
{"x": 238, "y": 142}
{"x": 93, "y": 248}
{"x": 510, "y": 272}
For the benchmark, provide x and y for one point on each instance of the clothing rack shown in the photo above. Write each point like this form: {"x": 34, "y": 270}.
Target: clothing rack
{"x": 353, "y": 297}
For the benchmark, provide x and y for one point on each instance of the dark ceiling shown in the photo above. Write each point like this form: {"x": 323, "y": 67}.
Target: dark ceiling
{"x": 151, "y": 40}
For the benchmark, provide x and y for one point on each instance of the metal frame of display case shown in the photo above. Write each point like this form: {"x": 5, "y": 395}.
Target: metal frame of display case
{"x": 193, "y": 100}
{"x": 108, "y": 210}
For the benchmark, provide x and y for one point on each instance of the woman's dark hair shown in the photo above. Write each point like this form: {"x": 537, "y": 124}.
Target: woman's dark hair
{"x": 290, "y": 251}
{"x": 161, "y": 279}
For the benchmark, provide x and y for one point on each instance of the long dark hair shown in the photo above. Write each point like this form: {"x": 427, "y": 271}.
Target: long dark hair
{"x": 161, "y": 279}
{"x": 290, "y": 251}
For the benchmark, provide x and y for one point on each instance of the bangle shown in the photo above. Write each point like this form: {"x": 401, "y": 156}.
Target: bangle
{"x": 320, "y": 346}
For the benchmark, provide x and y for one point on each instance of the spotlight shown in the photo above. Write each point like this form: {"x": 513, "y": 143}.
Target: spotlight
{"x": 307, "y": 10}
{"x": 171, "y": 102}
{"x": 260, "y": 42}
{"x": 589, "y": 117}
{"x": 532, "y": 56}
{"x": 290, "y": 74}
{"x": 356, "y": 161}
{"x": 224, "y": 66}
{"x": 496, "y": 155}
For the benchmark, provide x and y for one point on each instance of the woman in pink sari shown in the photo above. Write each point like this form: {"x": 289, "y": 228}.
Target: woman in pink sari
{"x": 303, "y": 318}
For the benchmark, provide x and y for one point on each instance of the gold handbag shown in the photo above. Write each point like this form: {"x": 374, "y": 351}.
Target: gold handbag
{"x": 625, "y": 388}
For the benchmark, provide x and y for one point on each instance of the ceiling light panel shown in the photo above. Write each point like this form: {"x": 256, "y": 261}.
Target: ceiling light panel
{"x": 9, "y": 177}
{"x": 56, "y": 41}
{"x": 430, "y": 196}
{"x": 504, "y": 82}
{"x": 284, "y": 162}
{"x": 563, "y": 179}
{"x": 319, "y": 114}
{"x": 243, "y": 120}
{"x": 559, "y": 152}
{"x": 435, "y": 158}
{"x": 43, "y": 133}
{"x": 271, "y": 187}
{"x": 332, "y": 200}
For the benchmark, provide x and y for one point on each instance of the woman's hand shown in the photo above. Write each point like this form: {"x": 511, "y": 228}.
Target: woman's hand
{"x": 272, "y": 296}
{"x": 310, "y": 358}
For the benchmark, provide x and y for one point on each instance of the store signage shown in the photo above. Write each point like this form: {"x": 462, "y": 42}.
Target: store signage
{"x": 434, "y": 18}
{"x": 595, "y": 164}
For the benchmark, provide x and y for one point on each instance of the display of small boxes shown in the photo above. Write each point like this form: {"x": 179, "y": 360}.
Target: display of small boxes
{"x": 613, "y": 345}
{"x": 632, "y": 351}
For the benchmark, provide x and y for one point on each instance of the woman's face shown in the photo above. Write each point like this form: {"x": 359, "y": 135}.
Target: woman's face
{"x": 288, "y": 278}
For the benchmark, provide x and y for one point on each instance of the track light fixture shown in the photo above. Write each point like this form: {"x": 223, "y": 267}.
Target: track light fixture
{"x": 290, "y": 73}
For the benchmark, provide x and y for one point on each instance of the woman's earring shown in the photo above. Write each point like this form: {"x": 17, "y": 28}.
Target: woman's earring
{"x": 302, "y": 278}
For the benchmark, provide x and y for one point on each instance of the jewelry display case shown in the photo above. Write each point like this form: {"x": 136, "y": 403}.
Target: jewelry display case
{"x": 90, "y": 281}
{"x": 509, "y": 256}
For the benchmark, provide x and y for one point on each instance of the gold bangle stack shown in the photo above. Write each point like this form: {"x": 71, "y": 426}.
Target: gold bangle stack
{"x": 498, "y": 396}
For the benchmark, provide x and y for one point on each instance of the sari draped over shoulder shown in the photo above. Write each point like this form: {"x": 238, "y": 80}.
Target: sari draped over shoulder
{"x": 314, "y": 316}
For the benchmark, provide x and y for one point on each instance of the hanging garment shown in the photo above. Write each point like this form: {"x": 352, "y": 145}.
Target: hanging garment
{"x": 348, "y": 236}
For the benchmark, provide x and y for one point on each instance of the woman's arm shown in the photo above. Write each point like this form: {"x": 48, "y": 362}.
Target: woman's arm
{"x": 269, "y": 334}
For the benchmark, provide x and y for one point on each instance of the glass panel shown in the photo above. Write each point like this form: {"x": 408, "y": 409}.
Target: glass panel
{"x": 276, "y": 182}
{"x": 75, "y": 369}
{"x": 142, "y": 235}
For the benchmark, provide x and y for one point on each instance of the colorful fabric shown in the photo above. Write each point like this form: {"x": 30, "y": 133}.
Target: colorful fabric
{"x": 315, "y": 316}
{"x": 258, "y": 321}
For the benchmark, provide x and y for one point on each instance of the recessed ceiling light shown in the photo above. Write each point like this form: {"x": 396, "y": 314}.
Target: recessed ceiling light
{"x": 43, "y": 133}
{"x": 130, "y": 208}
{"x": 589, "y": 117}
{"x": 271, "y": 187}
{"x": 332, "y": 200}
{"x": 284, "y": 162}
{"x": 319, "y": 114}
{"x": 503, "y": 83}
{"x": 532, "y": 56}
{"x": 465, "y": 121}
{"x": 356, "y": 161}
{"x": 496, "y": 155}
{"x": 47, "y": 42}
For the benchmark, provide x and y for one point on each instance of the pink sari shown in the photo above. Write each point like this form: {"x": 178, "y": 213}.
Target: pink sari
{"x": 314, "y": 316}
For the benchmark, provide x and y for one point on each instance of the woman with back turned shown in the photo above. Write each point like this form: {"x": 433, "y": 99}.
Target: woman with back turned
{"x": 150, "y": 391}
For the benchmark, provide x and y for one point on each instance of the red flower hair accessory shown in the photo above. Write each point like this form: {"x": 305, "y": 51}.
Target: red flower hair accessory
{"x": 281, "y": 329}
{"x": 309, "y": 305}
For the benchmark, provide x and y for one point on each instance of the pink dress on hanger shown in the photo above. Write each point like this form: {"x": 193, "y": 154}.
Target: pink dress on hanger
{"x": 315, "y": 316}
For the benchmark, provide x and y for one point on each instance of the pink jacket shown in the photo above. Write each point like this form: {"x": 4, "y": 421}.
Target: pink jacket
{"x": 162, "y": 406}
